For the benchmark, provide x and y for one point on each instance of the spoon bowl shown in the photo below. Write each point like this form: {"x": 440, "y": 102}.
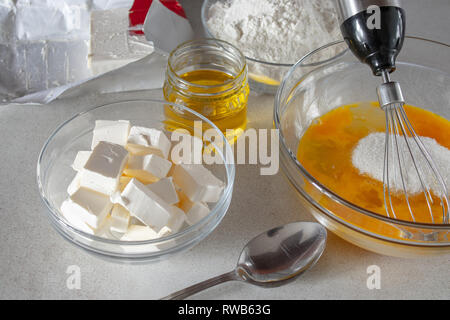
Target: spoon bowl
{"x": 281, "y": 253}
{"x": 272, "y": 258}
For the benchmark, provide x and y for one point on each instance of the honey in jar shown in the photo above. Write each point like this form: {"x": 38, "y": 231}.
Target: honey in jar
{"x": 209, "y": 76}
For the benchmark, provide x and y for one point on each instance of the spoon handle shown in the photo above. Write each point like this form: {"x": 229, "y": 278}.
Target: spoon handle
{"x": 184, "y": 293}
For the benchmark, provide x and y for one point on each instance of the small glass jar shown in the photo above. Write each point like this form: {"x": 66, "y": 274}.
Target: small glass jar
{"x": 210, "y": 77}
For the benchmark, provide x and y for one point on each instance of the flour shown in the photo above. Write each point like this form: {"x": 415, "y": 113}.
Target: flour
{"x": 280, "y": 31}
{"x": 368, "y": 158}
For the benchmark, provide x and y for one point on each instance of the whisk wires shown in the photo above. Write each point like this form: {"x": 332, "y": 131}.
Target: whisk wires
{"x": 402, "y": 142}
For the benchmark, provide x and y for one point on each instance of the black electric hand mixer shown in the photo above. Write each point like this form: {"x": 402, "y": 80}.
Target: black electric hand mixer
{"x": 374, "y": 31}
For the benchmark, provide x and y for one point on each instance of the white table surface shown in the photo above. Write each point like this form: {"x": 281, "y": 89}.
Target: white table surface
{"x": 34, "y": 258}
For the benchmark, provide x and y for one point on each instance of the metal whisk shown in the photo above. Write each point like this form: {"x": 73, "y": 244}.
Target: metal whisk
{"x": 374, "y": 31}
{"x": 400, "y": 130}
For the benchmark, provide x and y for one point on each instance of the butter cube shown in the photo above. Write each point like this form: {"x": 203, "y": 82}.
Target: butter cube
{"x": 197, "y": 182}
{"x": 111, "y": 131}
{"x": 75, "y": 184}
{"x": 177, "y": 220}
{"x": 76, "y": 221}
{"x": 104, "y": 168}
{"x": 165, "y": 189}
{"x": 91, "y": 207}
{"x": 145, "y": 205}
{"x": 120, "y": 218}
{"x": 73, "y": 218}
{"x": 147, "y": 167}
{"x": 104, "y": 230}
{"x": 123, "y": 181}
{"x": 139, "y": 233}
{"x": 143, "y": 140}
{"x": 175, "y": 223}
{"x": 164, "y": 232}
{"x": 80, "y": 160}
{"x": 195, "y": 211}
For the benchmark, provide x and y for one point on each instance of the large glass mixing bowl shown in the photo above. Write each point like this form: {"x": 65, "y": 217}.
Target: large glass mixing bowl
{"x": 311, "y": 89}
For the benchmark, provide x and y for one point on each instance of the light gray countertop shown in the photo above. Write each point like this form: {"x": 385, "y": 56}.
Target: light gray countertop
{"x": 34, "y": 258}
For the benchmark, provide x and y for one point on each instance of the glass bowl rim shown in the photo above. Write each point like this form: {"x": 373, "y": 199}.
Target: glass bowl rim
{"x": 314, "y": 181}
{"x": 215, "y": 211}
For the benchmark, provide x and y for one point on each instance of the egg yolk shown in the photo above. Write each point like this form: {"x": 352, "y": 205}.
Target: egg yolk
{"x": 325, "y": 151}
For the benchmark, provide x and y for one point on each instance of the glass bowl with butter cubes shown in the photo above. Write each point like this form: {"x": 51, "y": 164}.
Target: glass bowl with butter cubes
{"x": 125, "y": 181}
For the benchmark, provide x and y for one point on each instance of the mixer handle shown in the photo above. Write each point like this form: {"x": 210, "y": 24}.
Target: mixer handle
{"x": 374, "y": 31}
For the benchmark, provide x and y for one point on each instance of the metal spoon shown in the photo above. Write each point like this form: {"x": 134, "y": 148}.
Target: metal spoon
{"x": 271, "y": 259}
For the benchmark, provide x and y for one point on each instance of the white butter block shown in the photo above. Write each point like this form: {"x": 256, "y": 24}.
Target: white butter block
{"x": 139, "y": 233}
{"x": 76, "y": 221}
{"x": 148, "y": 167}
{"x": 176, "y": 221}
{"x": 105, "y": 229}
{"x": 109, "y": 32}
{"x": 111, "y": 131}
{"x": 197, "y": 182}
{"x": 116, "y": 198}
{"x": 120, "y": 219}
{"x": 195, "y": 211}
{"x": 143, "y": 140}
{"x": 73, "y": 218}
{"x": 165, "y": 189}
{"x": 75, "y": 184}
{"x": 145, "y": 205}
{"x": 80, "y": 160}
{"x": 111, "y": 44}
{"x": 164, "y": 232}
{"x": 104, "y": 168}
{"x": 90, "y": 206}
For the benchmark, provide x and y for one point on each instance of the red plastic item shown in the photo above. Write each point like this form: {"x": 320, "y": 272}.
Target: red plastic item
{"x": 139, "y": 9}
